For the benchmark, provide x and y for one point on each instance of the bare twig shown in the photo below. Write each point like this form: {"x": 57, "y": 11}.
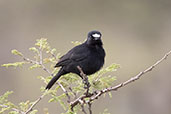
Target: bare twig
{"x": 53, "y": 55}
{"x": 46, "y": 70}
{"x": 65, "y": 91}
{"x": 14, "y": 109}
{"x": 97, "y": 94}
{"x": 92, "y": 96}
{"x": 76, "y": 101}
{"x": 30, "y": 108}
{"x": 83, "y": 109}
{"x": 131, "y": 79}
{"x": 75, "y": 95}
{"x": 89, "y": 107}
{"x": 29, "y": 60}
{"x": 34, "y": 104}
{"x": 40, "y": 55}
{"x": 61, "y": 86}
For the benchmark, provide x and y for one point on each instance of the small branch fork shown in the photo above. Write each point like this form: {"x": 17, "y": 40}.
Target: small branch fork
{"x": 34, "y": 104}
{"x": 97, "y": 94}
{"x": 44, "y": 68}
{"x": 51, "y": 74}
{"x": 92, "y": 96}
{"x": 14, "y": 109}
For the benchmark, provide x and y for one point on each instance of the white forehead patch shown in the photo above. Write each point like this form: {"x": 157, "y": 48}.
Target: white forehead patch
{"x": 96, "y": 35}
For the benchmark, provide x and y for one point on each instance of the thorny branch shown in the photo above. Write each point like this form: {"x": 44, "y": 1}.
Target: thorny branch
{"x": 97, "y": 94}
{"x": 34, "y": 104}
{"x": 92, "y": 96}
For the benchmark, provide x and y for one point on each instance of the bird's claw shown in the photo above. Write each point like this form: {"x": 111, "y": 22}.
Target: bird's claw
{"x": 86, "y": 84}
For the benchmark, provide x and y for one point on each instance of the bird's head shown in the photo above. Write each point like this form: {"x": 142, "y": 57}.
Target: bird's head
{"x": 94, "y": 38}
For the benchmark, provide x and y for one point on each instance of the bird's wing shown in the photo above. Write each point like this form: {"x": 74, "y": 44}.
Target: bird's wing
{"x": 78, "y": 53}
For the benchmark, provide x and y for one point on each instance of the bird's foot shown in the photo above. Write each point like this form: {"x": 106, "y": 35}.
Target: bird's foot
{"x": 86, "y": 83}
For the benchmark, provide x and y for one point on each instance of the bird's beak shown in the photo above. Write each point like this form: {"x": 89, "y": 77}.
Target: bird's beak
{"x": 97, "y": 38}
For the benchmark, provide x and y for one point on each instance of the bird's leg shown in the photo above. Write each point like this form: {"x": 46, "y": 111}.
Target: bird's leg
{"x": 86, "y": 85}
{"x": 85, "y": 78}
{"x": 86, "y": 82}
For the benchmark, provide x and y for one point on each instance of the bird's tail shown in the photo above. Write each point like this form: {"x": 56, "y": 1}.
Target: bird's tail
{"x": 55, "y": 78}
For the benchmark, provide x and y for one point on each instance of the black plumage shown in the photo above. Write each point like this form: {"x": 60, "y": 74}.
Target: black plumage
{"x": 89, "y": 56}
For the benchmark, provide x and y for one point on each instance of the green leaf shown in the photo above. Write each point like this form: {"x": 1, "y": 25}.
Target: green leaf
{"x": 4, "y": 109}
{"x": 34, "y": 49}
{"x": 42, "y": 78}
{"x": 24, "y": 105}
{"x": 76, "y": 43}
{"x": 99, "y": 80}
{"x": 47, "y": 79}
{"x": 53, "y": 51}
{"x": 113, "y": 67}
{"x": 4, "y": 97}
{"x": 15, "y": 52}
{"x": 34, "y": 66}
{"x": 59, "y": 99}
{"x": 51, "y": 100}
{"x": 33, "y": 112}
{"x": 47, "y": 60}
{"x": 42, "y": 44}
{"x": 16, "y": 64}
{"x": 58, "y": 55}
{"x": 13, "y": 112}
{"x": 4, "y": 101}
{"x": 63, "y": 104}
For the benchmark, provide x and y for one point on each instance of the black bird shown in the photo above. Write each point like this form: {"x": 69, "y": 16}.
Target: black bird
{"x": 88, "y": 55}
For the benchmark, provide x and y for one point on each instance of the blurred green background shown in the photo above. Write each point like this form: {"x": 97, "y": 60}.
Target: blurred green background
{"x": 136, "y": 33}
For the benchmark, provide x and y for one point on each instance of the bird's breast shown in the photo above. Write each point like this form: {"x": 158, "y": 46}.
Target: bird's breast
{"x": 94, "y": 62}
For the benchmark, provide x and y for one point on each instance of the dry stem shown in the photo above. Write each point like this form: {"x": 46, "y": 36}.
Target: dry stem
{"x": 97, "y": 94}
